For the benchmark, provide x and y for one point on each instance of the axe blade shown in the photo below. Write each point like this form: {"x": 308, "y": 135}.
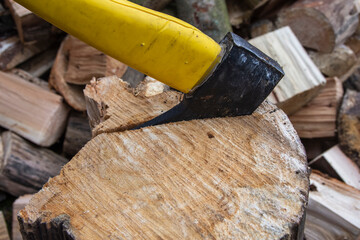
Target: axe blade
{"x": 238, "y": 85}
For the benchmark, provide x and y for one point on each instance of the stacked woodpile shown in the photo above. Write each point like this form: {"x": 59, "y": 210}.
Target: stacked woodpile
{"x": 67, "y": 112}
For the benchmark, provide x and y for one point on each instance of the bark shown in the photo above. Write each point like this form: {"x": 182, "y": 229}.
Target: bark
{"x": 26, "y": 166}
{"x": 210, "y": 16}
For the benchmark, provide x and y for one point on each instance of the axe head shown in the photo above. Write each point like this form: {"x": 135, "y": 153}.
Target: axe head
{"x": 237, "y": 86}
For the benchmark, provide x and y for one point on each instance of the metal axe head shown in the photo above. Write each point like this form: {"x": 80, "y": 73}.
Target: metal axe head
{"x": 238, "y": 85}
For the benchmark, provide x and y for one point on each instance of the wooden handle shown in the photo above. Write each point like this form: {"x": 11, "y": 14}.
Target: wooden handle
{"x": 156, "y": 44}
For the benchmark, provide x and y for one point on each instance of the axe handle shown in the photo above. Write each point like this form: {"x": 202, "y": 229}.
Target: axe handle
{"x": 156, "y": 44}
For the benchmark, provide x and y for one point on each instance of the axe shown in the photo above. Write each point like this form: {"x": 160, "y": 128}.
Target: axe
{"x": 229, "y": 78}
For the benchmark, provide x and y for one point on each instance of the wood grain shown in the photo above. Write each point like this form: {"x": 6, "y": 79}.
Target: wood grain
{"x": 222, "y": 178}
{"x": 31, "y": 111}
{"x": 333, "y": 211}
{"x": 318, "y": 118}
{"x": 112, "y": 105}
{"x": 302, "y": 80}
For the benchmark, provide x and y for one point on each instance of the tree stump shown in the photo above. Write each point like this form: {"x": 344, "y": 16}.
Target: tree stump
{"x": 223, "y": 178}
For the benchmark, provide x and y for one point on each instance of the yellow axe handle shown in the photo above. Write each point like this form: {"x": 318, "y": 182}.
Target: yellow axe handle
{"x": 156, "y": 44}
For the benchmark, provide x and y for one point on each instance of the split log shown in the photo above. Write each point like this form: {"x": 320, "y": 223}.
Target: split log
{"x": 29, "y": 26}
{"x": 321, "y": 25}
{"x": 18, "y": 205}
{"x": 302, "y": 80}
{"x": 185, "y": 180}
{"x": 210, "y": 17}
{"x": 32, "y": 112}
{"x": 30, "y": 78}
{"x": 318, "y": 118}
{"x": 73, "y": 66}
{"x": 26, "y": 165}
{"x": 336, "y": 164}
{"x": 12, "y": 52}
{"x": 112, "y": 105}
{"x": 333, "y": 210}
{"x": 336, "y": 63}
{"x": 4, "y": 235}
{"x": 78, "y": 133}
{"x": 40, "y": 64}
{"x": 348, "y": 126}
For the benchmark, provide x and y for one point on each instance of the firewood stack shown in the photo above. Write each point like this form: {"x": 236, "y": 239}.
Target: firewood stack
{"x": 67, "y": 110}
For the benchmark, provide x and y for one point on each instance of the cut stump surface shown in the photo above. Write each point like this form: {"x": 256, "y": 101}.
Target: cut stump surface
{"x": 223, "y": 178}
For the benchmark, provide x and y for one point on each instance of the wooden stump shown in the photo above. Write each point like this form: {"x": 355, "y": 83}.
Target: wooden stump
{"x": 112, "y": 105}
{"x": 302, "y": 80}
{"x": 24, "y": 167}
{"x": 321, "y": 25}
{"x": 222, "y": 178}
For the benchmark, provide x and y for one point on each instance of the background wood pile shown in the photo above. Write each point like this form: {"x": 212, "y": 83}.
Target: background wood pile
{"x": 57, "y": 93}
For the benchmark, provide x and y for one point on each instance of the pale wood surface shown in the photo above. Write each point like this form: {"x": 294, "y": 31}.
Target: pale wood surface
{"x": 318, "y": 118}
{"x": 112, "y": 105}
{"x": 12, "y": 52}
{"x": 335, "y": 64}
{"x": 222, "y": 178}
{"x": 302, "y": 80}
{"x": 26, "y": 164}
{"x": 348, "y": 125}
{"x": 321, "y": 25}
{"x": 343, "y": 166}
{"x": 18, "y": 205}
{"x": 4, "y": 235}
{"x": 333, "y": 211}
{"x": 32, "y": 112}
